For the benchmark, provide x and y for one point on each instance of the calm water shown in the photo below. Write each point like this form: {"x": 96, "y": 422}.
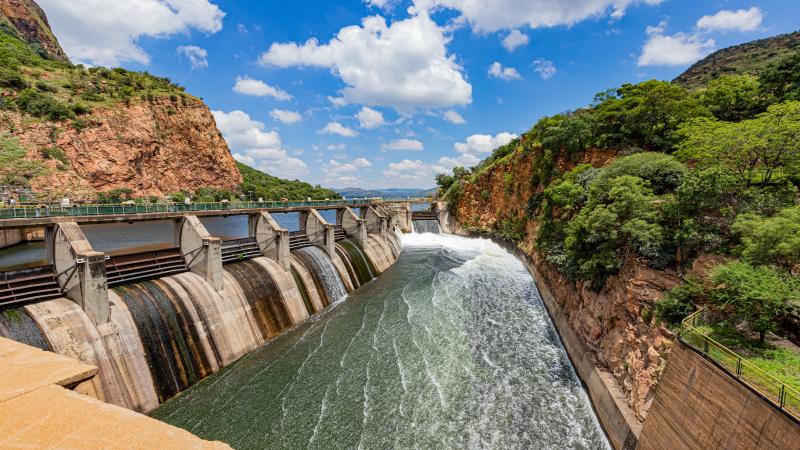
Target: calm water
{"x": 450, "y": 348}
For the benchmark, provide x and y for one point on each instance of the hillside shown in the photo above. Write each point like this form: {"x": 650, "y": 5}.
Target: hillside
{"x": 259, "y": 184}
{"x": 26, "y": 20}
{"x": 353, "y": 192}
{"x": 750, "y": 58}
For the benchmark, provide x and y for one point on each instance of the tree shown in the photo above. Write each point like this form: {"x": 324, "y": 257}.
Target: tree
{"x": 734, "y": 97}
{"x": 444, "y": 181}
{"x": 663, "y": 172}
{"x": 755, "y": 295}
{"x": 756, "y": 149}
{"x": 782, "y": 79}
{"x": 770, "y": 240}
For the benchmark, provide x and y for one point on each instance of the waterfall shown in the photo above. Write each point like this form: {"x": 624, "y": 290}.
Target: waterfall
{"x": 172, "y": 341}
{"x": 16, "y": 324}
{"x": 301, "y": 285}
{"x": 317, "y": 300}
{"x": 426, "y": 226}
{"x": 348, "y": 263}
{"x": 361, "y": 264}
{"x": 324, "y": 272}
{"x": 264, "y": 296}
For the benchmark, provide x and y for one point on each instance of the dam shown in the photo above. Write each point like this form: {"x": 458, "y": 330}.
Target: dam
{"x": 331, "y": 334}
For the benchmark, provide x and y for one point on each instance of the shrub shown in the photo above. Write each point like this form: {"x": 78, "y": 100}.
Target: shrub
{"x": 757, "y": 296}
{"x": 39, "y": 104}
{"x": 55, "y": 153}
{"x": 118, "y": 195}
{"x": 679, "y": 301}
{"x": 734, "y": 97}
{"x": 15, "y": 169}
{"x": 44, "y": 87}
{"x": 663, "y": 172}
{"x": 770, "y": 240}
{"x": 10, "y": 78}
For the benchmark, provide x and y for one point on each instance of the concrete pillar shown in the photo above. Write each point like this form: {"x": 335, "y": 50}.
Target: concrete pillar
{"x": 319, "y": 232}
{"x": 273, "y": 241}
{"x": 81, "y": 271}
{"x": 442, "y": 215}
{"x": 354, "y": 226}
{"x": 202, "y": 253}
{"x": 376, "y": 222}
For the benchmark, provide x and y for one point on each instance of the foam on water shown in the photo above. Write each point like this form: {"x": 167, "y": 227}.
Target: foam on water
{"x": 450, "y": 348}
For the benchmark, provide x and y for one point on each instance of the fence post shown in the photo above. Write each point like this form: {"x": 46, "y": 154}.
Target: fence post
{"x": 782, "y": 396}
{"x": 738, "y": 366}
{"x": 705, "y": 345}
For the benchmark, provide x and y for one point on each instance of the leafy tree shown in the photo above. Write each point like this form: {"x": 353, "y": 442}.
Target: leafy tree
{"x": 770, "y": 240}
{"x": 679, "y": 301}
{"x": 663, "y": 172}
{"x": 755, "y": 295}
{"x": 112, "y": 196}
{"x": 571, "y": 132}
{"x": 782, "y": 79}
{"x": 444, "y": 181}
{"x": 734, "y": 97}
{"x": 756, "y": 149}
{"x": 618, "y": 214}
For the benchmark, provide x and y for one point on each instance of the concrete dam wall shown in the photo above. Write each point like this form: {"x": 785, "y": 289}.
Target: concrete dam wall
{"x": 165, "y": 334}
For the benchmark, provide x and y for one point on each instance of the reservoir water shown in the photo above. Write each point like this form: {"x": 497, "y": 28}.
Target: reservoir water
{"x": 449, "y": 348}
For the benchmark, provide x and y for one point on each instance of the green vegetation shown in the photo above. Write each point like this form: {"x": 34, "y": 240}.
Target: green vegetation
{"x": 257, "y": 184}
{"x": 710, "y": 170}
{"x": 15, "y": 169}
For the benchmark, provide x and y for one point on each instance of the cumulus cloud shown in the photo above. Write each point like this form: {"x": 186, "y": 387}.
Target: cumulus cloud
{"x": 497, "y": 70}
{"x": 198, "y": 57}
{"x": 453, "y": 117}
{"x": 739, "y": 20}
{"x": 337, "y": 102}
{"x": 285, "y": 116}
{"x": 107, "y": 32}
{"x": 515, "y": 39}
{"x": 342, "y": 173}
{"x": 404, "y": 65}
{"x": 447, "y": 163}
{"x": 493, "y": 15}
{"x": 336, "y": 147}
{"x": 337, "y": 128}
{"x": 678, "y": 49}
{"x": 369, "y": 118}
{"x": 254, "y": 146}
{"x": 483, "y": 143}
{"x": 546, "y": 69}
{"x": 257, "y": 88}
{"x": 404, "y": 144}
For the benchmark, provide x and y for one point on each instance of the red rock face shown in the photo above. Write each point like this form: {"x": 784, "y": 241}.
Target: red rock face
{"x": 616, "y": 323}
{"x": 31, "y": 24}
{"x": 154, "y": 148}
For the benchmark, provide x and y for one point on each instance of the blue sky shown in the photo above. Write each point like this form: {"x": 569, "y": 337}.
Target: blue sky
{"x": 385, "y": 93}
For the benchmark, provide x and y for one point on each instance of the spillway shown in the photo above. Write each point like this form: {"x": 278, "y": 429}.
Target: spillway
{"x": 324, "y": 272}
{"x": 426, "y": 226}
{"x": 450, "y": 348}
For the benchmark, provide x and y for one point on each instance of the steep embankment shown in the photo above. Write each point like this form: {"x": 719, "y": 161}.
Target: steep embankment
{"x": 87, "y": 130}
{"x": 614, "y": 322}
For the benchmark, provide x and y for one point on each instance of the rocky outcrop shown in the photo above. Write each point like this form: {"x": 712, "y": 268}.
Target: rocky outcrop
{"x": 152, "y": 147}
{"x": 28, "y": 20}
{"x": 616, "y": 323}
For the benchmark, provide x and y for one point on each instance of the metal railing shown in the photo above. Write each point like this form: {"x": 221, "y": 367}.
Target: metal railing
{"x": 31, "y": 212}
{"x": 775, "y": 391}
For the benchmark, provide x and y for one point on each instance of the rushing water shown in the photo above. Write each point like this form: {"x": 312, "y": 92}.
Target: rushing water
{"x": 450, "y": 348}
{"x": 426, "y": 226}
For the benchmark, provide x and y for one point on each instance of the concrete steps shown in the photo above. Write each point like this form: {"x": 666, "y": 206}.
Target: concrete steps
{"x": 125, "y": 269}
{"x": 239, "y": 250}
{"x": 21, "y": 287}
{"x": 298, "y": 240}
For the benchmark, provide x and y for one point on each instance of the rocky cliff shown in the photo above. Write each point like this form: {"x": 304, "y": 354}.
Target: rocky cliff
{"x": 28, "y": 21}
{"x": 84, "y": 131}
{"x": 616, "y": 322}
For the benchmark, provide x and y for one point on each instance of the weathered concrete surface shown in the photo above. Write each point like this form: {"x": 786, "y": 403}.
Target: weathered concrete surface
{"x": 699, "y": 406}
{"x": 272, "y": 239}
{"x": 36, "y": 411}
{"x": 25, "y": 369}
{"x": 354, "y": 226}
{"x": 10, "y": 237}
{"x": 318, "y": 230}
{"x": 202, "y": 253}
{"x": 53, "y": 417}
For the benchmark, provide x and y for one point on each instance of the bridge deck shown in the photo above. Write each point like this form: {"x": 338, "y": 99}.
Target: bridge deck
{"x": 28, "y": 217}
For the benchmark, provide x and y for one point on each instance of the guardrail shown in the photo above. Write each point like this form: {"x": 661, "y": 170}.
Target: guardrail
{"x": 775, "y": 391}
{"x": 30, "y": 212}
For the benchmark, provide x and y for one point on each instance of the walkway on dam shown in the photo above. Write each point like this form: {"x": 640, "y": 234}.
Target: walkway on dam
{"x": 32, "y": 216}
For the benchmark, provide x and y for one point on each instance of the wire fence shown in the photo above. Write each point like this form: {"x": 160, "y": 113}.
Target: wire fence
{"x": 779, "y": 393}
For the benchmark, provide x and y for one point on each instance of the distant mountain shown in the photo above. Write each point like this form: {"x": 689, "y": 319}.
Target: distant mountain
{"x": 749, "y": 58}
{"x": 354, "y": 192}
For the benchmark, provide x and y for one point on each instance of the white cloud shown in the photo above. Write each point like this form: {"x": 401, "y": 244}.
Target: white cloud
{"x": 285, "y": 116}
{"x": 198, "y": 57}
{"x": 515, "y": 39}
{"x": 497, "y": 70}
{"x": 453, "y": 117}
{"x": 382, "y": 4}
{"x": 483, "y": 143}
{"x": 678, "y": 49}
{"x": 337, "y": 128}
{"x": 546, "y": 69}
{"x": 404, "y": 65}
{"x": 739, "y": 20}
{"x": 337, "y": 102}
{"x": 404, "y": 144}
{"x": 369, "y": 118}
{"x": 446, "y": 163}
{"x": 255, "y": 147}
{"x": 494, "y": 15}
{"x": 336, "y": 147}
{"x": 107, "y": 32}
{"x": 335, "y": 167}
{"x": 257, "y": 88}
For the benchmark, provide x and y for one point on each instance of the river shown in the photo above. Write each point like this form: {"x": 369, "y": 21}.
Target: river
{"x": 449, "y": 348}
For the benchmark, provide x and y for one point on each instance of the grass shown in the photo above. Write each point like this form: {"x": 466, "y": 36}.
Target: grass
{"x": 780, "y": 362}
